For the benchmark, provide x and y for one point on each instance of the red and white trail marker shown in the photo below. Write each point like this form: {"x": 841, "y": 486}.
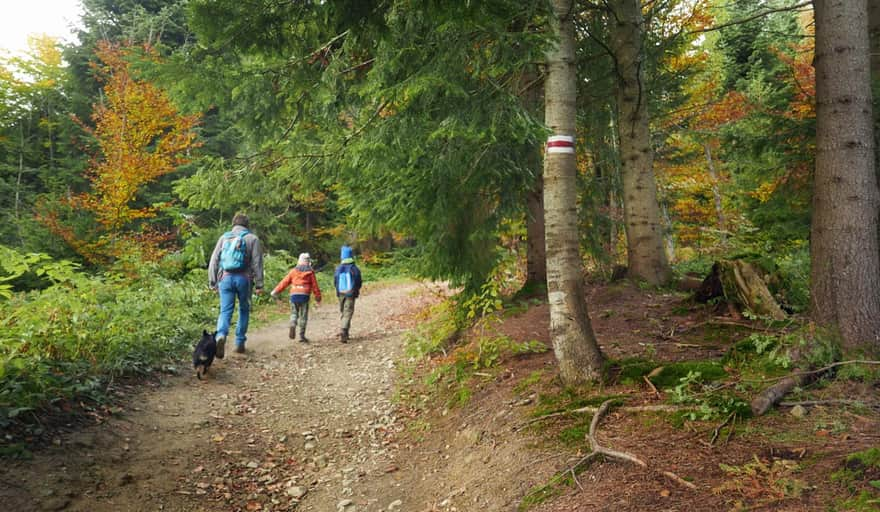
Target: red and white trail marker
{"x": 560, "y": 144}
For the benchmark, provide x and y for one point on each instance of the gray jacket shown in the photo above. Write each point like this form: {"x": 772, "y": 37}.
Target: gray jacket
{"x": 254, "y": 259}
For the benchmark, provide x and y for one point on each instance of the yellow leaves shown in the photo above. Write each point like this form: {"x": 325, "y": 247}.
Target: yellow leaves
{"x": 764, "y": 191}
{"x": 141, "y": 136}
{"x": 330, "y": 231}
{"x": 45, "y": 49}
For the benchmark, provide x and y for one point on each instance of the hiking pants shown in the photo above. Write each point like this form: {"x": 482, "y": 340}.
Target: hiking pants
{"x": 299, "y": 316}
{"x": 346, "y": 311}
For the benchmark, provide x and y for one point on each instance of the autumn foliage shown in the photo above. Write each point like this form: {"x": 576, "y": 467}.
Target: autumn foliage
{"x": 140, "y": 137}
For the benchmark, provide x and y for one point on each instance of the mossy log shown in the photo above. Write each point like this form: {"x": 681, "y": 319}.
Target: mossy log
{"x": 740, "y": 283}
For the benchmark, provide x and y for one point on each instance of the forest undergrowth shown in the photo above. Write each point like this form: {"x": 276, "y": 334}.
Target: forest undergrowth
{"x": 677, "y": 369}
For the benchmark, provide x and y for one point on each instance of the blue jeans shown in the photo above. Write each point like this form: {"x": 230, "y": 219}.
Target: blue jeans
{"x": 230, "y": 287}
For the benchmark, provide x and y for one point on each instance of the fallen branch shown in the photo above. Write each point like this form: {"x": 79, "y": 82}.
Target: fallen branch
{"x": 774, "y": 394}
{"x": 718, "y": 429}
{"x": 594, "y": 410}
{"x": 677, "y": 479}
{"x": 720, "y": 321}
{"x": 769, "y": 397}
{"x": 810, "y": 403}
{"x": 820, "y": 370}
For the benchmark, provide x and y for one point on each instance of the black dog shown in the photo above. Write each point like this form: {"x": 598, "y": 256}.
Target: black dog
{"x": 204, "y": 353}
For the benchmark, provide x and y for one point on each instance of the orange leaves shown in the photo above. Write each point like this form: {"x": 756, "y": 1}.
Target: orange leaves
{"x": 140, "y": 137}
{"x": 803, "y": 74}
{"x": 730, "y": 108}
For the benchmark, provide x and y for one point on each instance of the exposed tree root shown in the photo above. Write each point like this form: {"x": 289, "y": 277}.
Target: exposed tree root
{"x": 598, "y": 449}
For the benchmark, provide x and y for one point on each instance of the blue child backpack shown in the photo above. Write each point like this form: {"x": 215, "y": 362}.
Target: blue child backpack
{"x": 233, "y": 252}
{"x": 345, "y": 283}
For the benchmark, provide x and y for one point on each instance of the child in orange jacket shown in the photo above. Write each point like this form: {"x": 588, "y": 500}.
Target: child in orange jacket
{"x": 303, "y": 283}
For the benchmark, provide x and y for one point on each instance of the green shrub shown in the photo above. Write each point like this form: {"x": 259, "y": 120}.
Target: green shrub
{"x": 64, "y": 340}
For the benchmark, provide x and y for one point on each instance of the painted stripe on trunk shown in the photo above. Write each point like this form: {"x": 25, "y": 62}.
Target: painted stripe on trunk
{"x": 560, "y": 144}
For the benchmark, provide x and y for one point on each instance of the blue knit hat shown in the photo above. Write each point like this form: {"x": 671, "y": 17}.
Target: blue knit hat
{"x": 345, "y": 253}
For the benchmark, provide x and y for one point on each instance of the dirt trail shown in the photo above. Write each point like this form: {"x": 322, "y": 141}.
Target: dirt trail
{"x": 286, "y": 426}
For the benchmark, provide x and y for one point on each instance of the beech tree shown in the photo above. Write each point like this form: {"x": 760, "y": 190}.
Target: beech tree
{"x": 845, "y": 272}
{"x": 574, "y": 343}
{"x": 140, "y": 136}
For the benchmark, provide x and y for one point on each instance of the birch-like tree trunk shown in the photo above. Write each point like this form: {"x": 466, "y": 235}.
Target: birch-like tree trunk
{"x": 645, "y": 256}
{"x": 574, "y": 343}
{"x": 716, "y": 193}
{"x": 845, "y": 272}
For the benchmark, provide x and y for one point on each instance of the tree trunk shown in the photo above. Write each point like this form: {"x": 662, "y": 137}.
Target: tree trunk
{"x": 716, "y": 193}
{"x": 574, "y": 343}
{"x": 614, "y": 213}
{"x": 669, "y": 241}
{"x": 844, "y": 252}
{"x": 18, "y": 222}
{"x": 536, "y": 256}
{"x": 646, "y": 259}
{"x": 874, "y": 35}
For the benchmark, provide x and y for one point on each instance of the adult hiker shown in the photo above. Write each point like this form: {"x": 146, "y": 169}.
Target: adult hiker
{"x": 347, "y": 281}
{"x": 235, "y": 271}
{"x": 303, "y": 283}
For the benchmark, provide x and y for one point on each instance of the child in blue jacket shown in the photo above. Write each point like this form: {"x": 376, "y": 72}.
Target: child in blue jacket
{"x": 347, "y": 281}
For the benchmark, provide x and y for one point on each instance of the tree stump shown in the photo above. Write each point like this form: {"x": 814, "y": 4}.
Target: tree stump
{"x": 740, "y": 283}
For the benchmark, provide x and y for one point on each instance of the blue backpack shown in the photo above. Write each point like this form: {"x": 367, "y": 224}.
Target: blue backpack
{"x": 233, "y": 252}
{"x": 345, "y": 282}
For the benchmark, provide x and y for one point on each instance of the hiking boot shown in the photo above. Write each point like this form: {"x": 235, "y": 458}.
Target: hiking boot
{"x": 221, "y": 347}
{"x": 343, "y": 335}
{"x": 302, "y": 338}
{"x": 239, "y": 349}
{"x": 292, "y": 333}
